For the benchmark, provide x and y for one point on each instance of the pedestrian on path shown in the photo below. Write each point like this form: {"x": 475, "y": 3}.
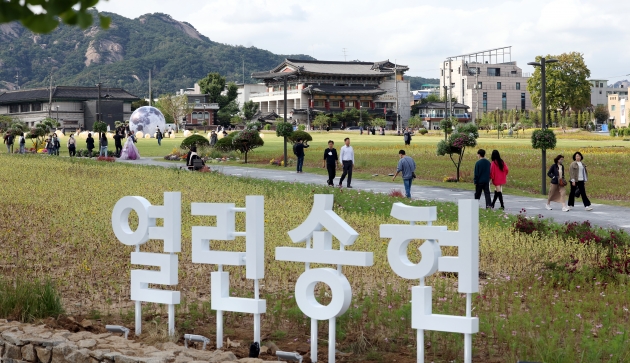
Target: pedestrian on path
{"x": 498, "y": 174}
{"x": 579, "y": 176}
{"x": 55, "y": 144}
{"x": 72, "y": 147}
{"x": 213, "y": 138}
{"x": 22, "y": 143}
{"x": 158, "y": 136}
{"x": 89, "y": 143}
{"x": 103, "y": 151}
{"x": 330, "y": 162}
{"x": 407, "y": 166}
{"x": 8, "y": 139}
{"x": 482, "y": 177}
{"x": 558, "y": 183}
{"x": 346, "y": 158}
{"x": 407, "y": 136}
{"x": 299, "y": 152}
{"x": 118, "y": 142}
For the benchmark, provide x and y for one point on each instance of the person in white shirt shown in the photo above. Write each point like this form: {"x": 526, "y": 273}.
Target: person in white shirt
{"x": 579, "y": 177}
{"x": 346, "y": 158}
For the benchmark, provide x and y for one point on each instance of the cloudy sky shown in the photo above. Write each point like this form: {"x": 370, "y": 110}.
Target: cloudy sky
{"x": 413, "y": 33}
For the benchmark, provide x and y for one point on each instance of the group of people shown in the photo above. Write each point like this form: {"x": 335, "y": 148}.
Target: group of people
{"x": 345, "y": 159}
{"x": 128, "y": 151}
{"x": 495, "y": 171}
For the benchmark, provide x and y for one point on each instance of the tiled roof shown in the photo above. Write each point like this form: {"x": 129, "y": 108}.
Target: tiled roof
{"x": 440, "y": 105}
{"x": 343, "y": 90}
{"x": 66, "y": 92}
{"x": 363, "y": 69}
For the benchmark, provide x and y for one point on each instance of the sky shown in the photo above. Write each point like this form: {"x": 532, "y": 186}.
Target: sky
{"x": 414, "y": 33}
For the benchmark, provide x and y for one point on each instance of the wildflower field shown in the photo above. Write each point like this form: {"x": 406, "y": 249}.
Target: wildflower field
{"x": 548, "y": 293}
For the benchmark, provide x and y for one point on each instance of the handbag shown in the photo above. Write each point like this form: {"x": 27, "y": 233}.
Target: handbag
{"x": 197, "y": 164}
{"x": 578, "y": 192}
{"x": 413, "y": 175}
{"x": 562, "y": 182}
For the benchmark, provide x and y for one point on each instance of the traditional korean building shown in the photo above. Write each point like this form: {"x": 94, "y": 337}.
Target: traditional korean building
{"x": 331, "y": 87}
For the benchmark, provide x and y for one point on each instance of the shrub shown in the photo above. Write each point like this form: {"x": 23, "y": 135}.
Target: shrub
{"x": 423, "y": 131}
{"x": 522, "y": 224}
{"x": 267, "y": 127}
{"x": 297, "y": 135}
{"x": 196, "y": 140}
{"x": 301, "y": 127}
{"x": 613, "y": 132}
{"x": 396, "y": 193}
{"x": 225, "y": 144}
{"x": 543, "y": 139}
{"x": 27, "y": 300}
{"x": 284, "y": 129}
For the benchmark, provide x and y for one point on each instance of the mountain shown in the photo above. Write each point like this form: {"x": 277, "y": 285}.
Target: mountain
{"x": 175, "y": 52}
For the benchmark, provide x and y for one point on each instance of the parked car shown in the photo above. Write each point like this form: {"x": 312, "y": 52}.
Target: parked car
{"x": 353, "y": 128}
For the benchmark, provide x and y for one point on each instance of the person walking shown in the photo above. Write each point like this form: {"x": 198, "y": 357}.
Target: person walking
{"x": 482, "y": 177}
{"x": 299, "y": 153}
{"x": 22, "y": 143}
{"x": 213, "y": 138}
{"x": 103, "y": 150}
{"x": 498, "y": 174}
{"x": 346, "y": 158}
{"x": 407, "y": 166}
{"x": 118, "y": 142}
{"x": 72, "y": 147}
{"x": 579, "y": 176}
{"x": 55, "y": 144}
{"x": 330, "y": 162}
{"x": 158, "y": 136}
{"x": 9, "y": 141}
{"x": 558, "y": 183}
{"x": 89, "y": 143}
{"x": 407, "y": 136}
{"x": 49, "y": 146}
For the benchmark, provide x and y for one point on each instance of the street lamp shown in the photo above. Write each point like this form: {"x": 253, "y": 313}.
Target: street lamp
{"x": 57, "y": 114}
{"x": 543, "y": 106}
{"x": 498, "y": 121}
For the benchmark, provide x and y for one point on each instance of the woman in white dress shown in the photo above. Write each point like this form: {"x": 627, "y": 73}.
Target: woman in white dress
{"x": 129, "y": 150}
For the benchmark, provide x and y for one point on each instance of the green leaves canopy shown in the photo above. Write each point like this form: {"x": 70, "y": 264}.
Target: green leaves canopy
{"x": 284, "y": 129}
{"x": 567, "y": 83}
{"x": 52, "y": 12}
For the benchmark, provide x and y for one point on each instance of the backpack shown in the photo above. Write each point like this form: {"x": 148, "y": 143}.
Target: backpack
{"x": 295, "y": 149}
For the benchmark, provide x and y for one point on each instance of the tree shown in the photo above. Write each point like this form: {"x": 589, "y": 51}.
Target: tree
{"x": 321, "y": 121}
{"x": 378, "y": 122}
{"x": 139, "y": 103}
{"x": 249, "y": 110}
{"x": 50, "y": 12}
{"x": 601, "y": 114}
{"x": 415, "y": 122}
{"x": 461, "y": 138}
{"x": 163, "y": 104}
{"x": 175, "y": 106}
{"x": 39, "y": 132}
{"x": 284, "y": 130}
{"x": 567, "y": 83}
{"x": 447, "y": 126}
{"x": 100, "y": 127}
{"x": 299, "y": 135}
{"x": 246, "y": 141}
{"x": 213, "y": 85}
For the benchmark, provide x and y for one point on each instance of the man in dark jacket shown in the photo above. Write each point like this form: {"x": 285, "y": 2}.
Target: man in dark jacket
{"x": 482, "y": 177}
{"x": 299, "y": 153}
{"x": 118, "y": 142}
{"x": 330, "y": 162}
{"x": 158, "y": 136}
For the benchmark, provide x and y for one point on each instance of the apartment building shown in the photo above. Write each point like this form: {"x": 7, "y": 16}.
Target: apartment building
{"x": 600, "y": 90}
{"x": 485, "y": 81}
{"x": 617, "y": 110}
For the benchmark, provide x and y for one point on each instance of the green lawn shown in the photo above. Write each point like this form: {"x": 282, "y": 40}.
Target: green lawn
{"x": 376, "y": 156}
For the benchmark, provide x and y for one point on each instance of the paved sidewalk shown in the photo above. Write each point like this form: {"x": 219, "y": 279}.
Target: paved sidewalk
{"x": 602, "y": 215}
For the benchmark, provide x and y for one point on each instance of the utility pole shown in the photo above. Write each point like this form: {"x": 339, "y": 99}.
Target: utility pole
{"x": 17, "y": 79}
{"x": 450, "y": 89}
{"x": 398, "y": 122}
{"x": 344, "y": 55}
{"x": 98, "y": 103}
{"x": 150, "y": 93}
{"x": 243, "y": 75}
{"x": 476, "y": 94}
{"x": 50, "y": 95}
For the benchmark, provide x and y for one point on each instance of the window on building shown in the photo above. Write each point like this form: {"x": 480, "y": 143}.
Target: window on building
{"x": 513, "y": 73}
{"x": 494, "y": 72}
{"x": 365, "y": 103}
{"x": 459, "y": 70}
{"x": 479, "y": 85}
{"x": 319, "y": 103}
{"x": 601, "y": 85}
{"x": 197, "y": 100}
{"x": 518, "y": 85}
{"x": 600, "y": 92}
{"x": 612, "y": 108}
{"x": 350, "y": 104}
{"x": 485, "y": 102}
{"x": 504, "y": 101}
{"x": 36, "y": 106}
{"x": 25, "y": 107}
{"x": 14, "y": 108}
{"x": 463, "y": 85}
{"x": 522, "y": 101}
{"x": 334, "y": 104}
{"x": 498, "y": 85}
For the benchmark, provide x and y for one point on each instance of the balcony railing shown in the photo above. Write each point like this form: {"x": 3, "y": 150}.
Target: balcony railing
{"x": 274, "y": 93}
{"x": 207, "y": 106}
{"x": 509, "y": 87}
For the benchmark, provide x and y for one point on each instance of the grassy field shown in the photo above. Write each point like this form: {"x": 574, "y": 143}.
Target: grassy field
{"x": 379, "y": 154}
{"x": 55, "y": 223}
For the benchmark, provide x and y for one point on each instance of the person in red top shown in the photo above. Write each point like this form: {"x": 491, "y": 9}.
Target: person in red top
{"x": 498, "y": 175}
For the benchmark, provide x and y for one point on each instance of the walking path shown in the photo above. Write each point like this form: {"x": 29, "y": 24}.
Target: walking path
{"x": 602, "y": 215}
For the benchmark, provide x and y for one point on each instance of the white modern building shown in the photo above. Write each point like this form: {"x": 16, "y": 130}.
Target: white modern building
{"x": 331, "y": 87}
{"x": 600, "y": 90}
{"x": 485, "y": 81}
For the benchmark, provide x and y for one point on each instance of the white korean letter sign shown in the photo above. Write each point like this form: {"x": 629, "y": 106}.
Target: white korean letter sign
{"x": 170, "y": 233}
{"x": 253, "y": 258}
{"x": 466, "y": 264}
{"x": 322, "y": 216}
